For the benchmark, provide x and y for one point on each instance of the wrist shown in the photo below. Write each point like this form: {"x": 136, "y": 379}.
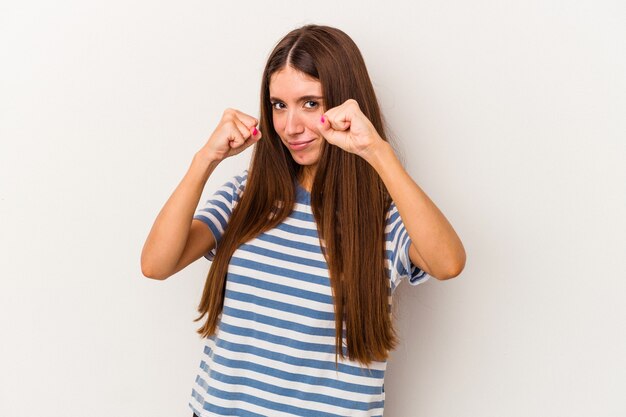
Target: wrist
{"x": 379, "y": 154}
{"x": 204, "y": 163}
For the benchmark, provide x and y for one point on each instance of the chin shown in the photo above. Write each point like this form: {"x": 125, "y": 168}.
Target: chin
{"x": 303, "y": 160}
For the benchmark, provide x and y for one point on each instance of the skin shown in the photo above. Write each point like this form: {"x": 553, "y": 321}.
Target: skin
{"x": 298, "y": 106}
{"x": 174, "y": 242}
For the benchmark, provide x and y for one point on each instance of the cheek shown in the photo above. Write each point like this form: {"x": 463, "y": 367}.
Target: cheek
{"x": 312, "y": 120}
{"x": 279, "y": 123}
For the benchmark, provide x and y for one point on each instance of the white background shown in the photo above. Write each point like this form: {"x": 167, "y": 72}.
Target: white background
{"x": 509, "y": 114}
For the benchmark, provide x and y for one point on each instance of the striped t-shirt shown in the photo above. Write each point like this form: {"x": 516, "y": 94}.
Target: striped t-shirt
{"x": 273, "y": 353}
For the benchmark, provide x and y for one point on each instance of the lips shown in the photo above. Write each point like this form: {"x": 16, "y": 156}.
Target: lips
{"x": 298, "y": 146}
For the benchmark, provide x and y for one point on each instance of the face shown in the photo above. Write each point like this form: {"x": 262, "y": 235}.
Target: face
{"x": 297, "y": 106}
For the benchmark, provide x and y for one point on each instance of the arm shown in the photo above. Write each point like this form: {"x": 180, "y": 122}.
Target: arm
{"x": 174, "y": 236}
{"x": 176, "y": 240}
{"x": 435, "y": 247}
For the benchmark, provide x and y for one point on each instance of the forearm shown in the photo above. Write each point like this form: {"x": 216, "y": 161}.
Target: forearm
{"x": 431, "y": 234}
{"x": 168, "y": 236}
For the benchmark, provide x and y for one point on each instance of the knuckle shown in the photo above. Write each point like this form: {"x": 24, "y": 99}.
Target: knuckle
{"x": 228, "y": 113}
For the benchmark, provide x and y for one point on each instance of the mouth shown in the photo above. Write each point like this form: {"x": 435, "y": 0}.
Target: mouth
{"x": 298, "y": 146}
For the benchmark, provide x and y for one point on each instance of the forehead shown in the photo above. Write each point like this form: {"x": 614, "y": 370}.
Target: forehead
{"x": 289, "y": 82}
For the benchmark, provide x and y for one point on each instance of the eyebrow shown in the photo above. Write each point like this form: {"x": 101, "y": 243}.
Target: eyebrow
{"x": 301, "y": 99}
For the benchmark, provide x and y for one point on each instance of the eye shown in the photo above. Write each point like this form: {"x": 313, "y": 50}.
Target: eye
{"x": 311, "y": 104}
{"x": 277, "y": 105}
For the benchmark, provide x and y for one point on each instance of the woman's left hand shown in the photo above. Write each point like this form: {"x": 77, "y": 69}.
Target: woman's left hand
{"x": 347, "y": 127}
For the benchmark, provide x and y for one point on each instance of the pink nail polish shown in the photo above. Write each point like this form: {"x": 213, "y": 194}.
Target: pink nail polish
{"x": 322, "y": 119}
{"x": 254, "y": 132}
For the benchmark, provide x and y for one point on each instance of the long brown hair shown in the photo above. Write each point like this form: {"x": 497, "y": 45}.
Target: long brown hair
{"x": 348, "y": 198}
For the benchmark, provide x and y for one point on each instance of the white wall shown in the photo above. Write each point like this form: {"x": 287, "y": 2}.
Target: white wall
{"x": 510, "y": 115}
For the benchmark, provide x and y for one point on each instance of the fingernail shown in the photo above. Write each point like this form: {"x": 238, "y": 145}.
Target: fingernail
{"x": 322, "y": 119}
{"x": 254, "y": 132}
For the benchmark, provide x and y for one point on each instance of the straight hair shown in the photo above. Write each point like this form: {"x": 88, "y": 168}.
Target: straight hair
{"x": 349, "y": 200}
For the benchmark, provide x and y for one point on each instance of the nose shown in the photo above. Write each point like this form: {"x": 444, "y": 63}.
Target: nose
{"x": 294, "y": 124}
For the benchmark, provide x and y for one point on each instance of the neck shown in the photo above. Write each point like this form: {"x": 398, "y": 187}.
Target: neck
{"x": 306, "y": 177}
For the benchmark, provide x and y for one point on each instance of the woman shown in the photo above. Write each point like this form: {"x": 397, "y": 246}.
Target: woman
{"x": 321, "y": 229}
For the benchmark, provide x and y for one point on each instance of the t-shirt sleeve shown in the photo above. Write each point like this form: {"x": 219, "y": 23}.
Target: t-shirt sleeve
{"x": 398, "y": 243}
{"x": 216, "y": 211}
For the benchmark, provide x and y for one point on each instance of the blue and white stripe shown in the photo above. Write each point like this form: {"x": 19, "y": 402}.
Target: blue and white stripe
{"x": 274, "y": 350}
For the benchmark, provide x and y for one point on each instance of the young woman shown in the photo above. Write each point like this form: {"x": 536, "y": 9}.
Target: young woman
{"x": 307, "y": 245}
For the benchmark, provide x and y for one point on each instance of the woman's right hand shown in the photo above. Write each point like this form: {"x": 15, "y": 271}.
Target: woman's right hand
{"x": 235, "y": 132}
{"x": 174, "y": 240}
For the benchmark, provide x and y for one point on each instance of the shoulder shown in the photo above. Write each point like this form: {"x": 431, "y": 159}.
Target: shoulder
{"x": 392, "y": 217}
{"x": 236, "y": 185}
{"x": 239, "y": 180}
